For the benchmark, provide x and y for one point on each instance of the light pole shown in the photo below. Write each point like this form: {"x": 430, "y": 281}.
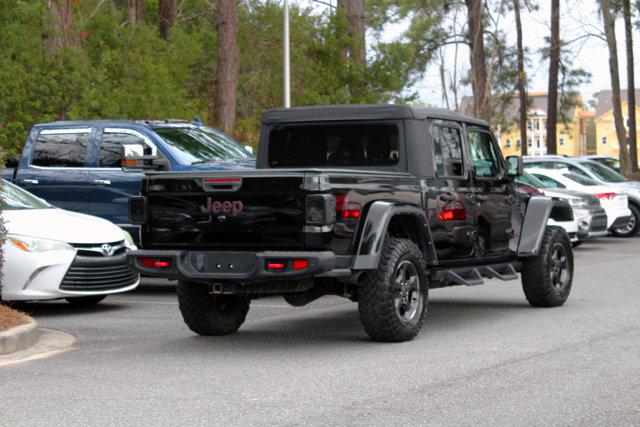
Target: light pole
{"x": 285, "y": 48}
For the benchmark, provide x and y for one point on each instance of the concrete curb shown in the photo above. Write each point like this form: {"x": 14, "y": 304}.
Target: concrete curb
{"x": 19, "y": 338}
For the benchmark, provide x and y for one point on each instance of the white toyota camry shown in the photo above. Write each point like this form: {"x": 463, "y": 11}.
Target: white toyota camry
{"x": 51, "y": 253}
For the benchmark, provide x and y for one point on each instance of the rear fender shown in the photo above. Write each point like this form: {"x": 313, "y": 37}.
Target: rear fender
{"x": 376, "y": 227}
{"x": 534, "y": 225}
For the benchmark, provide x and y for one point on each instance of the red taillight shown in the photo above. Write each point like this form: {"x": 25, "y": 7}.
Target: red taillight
{"x": 154, "y": 262}
{"x": 300, "y": 264}
{"x": 453, "y": 211}
{"x": 346, "y": 209}
{"x": 275, "y": 266}
{"x": 222, "y": 180}
{"x": 606, "y": 195}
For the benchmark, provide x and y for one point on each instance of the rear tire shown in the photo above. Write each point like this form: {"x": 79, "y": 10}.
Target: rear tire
{"x": 85, "y": 301}
{"x": 393, "y": 299}
{"x": 547, "y": 277}
{"x": 207, "y": 314}
{"x": 631, "y": 229}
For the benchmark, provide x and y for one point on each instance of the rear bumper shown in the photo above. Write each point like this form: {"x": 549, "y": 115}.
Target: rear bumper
{"x": 214, "y": 266}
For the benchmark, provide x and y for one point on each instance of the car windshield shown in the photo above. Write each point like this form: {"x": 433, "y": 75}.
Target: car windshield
{"x": 14, "y": 198}
{"x": 580, "y": 179}
{"x": 527, "y": 178}
{"x": 604, "y": 173}
{"x": 192, "y": 145}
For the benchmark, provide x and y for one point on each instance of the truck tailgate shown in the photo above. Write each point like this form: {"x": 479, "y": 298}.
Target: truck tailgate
{"x": 247, "y": 210}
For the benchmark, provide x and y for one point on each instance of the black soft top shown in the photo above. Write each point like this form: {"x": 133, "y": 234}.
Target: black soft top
{"x": 362, "y": 112}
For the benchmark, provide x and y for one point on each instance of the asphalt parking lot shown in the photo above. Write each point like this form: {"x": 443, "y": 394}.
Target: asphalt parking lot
{"x": 484, "y": 357}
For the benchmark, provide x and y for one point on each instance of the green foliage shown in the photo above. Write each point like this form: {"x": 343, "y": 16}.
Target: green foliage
{"x": 120, "y": 71}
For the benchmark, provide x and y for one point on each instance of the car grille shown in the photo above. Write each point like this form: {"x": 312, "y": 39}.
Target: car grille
{"x": 598, "y": 223}
{"x": 92, "y": 273}
{"x": 96, "y": 250}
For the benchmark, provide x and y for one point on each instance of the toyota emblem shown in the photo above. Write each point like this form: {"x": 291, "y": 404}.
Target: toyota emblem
{"x": 106, "y": 249}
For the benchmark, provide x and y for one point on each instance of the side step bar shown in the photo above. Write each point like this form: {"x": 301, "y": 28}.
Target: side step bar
{"x": 472, "y": 276}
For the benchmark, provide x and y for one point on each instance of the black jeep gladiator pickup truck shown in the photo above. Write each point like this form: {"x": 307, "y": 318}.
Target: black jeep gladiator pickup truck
{"x": 377, "y": 204}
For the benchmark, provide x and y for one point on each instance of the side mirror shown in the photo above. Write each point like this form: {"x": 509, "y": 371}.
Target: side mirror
{"x": 134, "y": 157}
{"x": 249, "y": 148}
{"x": 515, "y": 166}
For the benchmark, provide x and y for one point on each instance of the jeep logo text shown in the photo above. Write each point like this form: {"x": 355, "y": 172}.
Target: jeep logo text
{"x": 233, "y": 207}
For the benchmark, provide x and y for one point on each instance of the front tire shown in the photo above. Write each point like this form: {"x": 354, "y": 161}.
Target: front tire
{"x": 208, "y": 314}
{"x": 392, "y": 300}
{"x": 547, "y": 277}
{"x": 85, "y": 301}
{"x": 631, "y": 229}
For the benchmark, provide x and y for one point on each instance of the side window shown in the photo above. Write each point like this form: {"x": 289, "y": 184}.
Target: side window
{"x": 549, "y": 182}
{"x": 57, "y": 149}
{"x": 486, "y": 163}
{"x": 110, "y": 155}
{"x": 578, "y": 171}
{"x": 447, "y": 148}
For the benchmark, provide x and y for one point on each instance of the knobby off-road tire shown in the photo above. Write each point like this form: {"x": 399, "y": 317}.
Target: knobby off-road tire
{"x": 207, "y": 314}
{"x": 393, "y": 299}
{"x": 85, "y": 301}
{"x": 630, "y": 229}
{"x": 547, "y": 277}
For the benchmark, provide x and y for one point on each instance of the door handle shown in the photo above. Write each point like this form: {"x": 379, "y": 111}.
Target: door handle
{"x": 447, "y": 197}
{"x": 29, "y": 181}
{"x": 481, "y": 197}
{"x": 101, "y": 182}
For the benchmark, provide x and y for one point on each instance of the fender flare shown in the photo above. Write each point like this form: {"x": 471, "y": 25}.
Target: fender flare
{"x": 534, "y": 225}
{"x": 374, "y": 230}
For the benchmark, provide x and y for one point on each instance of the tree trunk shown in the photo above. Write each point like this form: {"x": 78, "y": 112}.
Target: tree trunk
{"x": 226, "y": 79}
{"x": 554, "y": 64}
{"x": 356, "y": 34}
{"x": 478, "y": 65}
{"x": 522, "y": 77}
{"x": 135, "y": 11}
{"x": 167, "y": 17}
{"x": 60, "y": 26}
{"x": 631, "y": 88}
{"x": 621, "y": 133}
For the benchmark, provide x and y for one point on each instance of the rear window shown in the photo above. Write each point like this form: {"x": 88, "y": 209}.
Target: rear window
{"x": 61, "y": 149}
{"x": 340, "y": 146}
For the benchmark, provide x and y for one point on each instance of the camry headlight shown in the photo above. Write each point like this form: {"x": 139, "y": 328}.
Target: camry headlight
{"x": 128, "y": 241}
{"x": 34, "y": 244}
{"x": 577, "y": 203}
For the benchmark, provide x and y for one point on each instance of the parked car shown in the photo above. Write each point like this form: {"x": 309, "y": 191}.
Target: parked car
{"x": 81, "y": 166}
{"x": 51, "y": 253}
{"x": 588, "y": 214}
{"x": 379, "y": 204}
{"x": 615, "y": 205}
{"x": 602, "y": 175}
{"x": 608, "y": 161}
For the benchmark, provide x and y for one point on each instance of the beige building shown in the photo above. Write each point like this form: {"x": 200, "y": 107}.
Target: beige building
{"x": 606, "y": 138}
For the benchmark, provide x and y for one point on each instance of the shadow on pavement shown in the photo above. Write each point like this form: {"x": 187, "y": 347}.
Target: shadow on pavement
{"x": 339, "y": 326}
{"x": 62, "y": 308}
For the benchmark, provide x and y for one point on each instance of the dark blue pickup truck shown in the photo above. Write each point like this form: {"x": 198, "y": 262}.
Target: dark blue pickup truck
{"x": 94, "y": 166}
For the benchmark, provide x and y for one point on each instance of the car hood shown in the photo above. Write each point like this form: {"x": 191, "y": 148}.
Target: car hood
{"x": 564, "y": 193}
{"x": 58, "y": 224}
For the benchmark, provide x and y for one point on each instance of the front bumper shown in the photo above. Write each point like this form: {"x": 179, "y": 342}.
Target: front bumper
{"x": 215, "y": 266}
{"x": 592, "y": 222}
{"x": 62, "y": 274}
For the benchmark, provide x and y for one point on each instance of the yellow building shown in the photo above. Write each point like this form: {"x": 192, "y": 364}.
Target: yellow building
{"x": 606, "y": 138}
{"x": 572, "y": 136}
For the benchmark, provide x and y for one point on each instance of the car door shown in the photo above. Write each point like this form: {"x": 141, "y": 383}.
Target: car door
{"x": 447, "y": 195}
{"x": 491, "y": 192}
{"x": 56, "y": 169}
{"x": 110, "y": 185}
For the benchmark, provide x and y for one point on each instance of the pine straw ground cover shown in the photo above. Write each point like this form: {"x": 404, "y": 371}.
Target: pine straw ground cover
{"x": 10, "y": 318}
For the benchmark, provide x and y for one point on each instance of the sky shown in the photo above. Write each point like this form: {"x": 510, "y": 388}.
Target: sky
{"x": 578, "y": 18}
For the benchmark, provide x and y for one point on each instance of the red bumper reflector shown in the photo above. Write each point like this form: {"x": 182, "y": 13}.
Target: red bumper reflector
{"x": 222, "y": 180}
{"x": 275, "y": 266}
{"x": 300, "y": 264}
{"x": 154, "y": 262}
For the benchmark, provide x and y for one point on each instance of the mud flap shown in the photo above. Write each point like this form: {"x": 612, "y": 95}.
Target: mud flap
{"x": 533, "y": 226}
